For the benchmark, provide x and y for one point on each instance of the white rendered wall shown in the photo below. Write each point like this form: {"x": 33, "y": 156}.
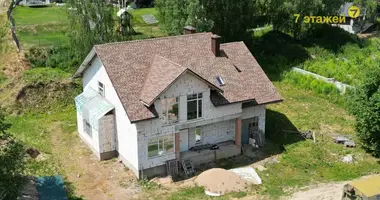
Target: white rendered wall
{"x": 126, "y": 141}
{"x": 94, "y": 140}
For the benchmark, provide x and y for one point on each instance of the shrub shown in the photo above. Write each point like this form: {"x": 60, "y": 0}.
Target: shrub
{"x": 37, "y": 56}
{"x": 364, "y": 104}
{"x": 12, "y": 162}
{"x": 311, "y": 83}
{"x": 44, "y": 75}
{"x": 63, "y": 58}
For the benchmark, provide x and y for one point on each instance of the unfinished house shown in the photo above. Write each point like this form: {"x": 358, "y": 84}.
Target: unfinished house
{"x": 173, "y": 101}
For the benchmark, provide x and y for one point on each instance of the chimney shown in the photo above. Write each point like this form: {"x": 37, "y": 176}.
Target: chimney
{"x": 215, "y": 44}
{"x": 189, "y": 30}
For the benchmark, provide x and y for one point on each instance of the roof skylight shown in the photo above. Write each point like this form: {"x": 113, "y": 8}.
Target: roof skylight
{"x": 220, "y": 80}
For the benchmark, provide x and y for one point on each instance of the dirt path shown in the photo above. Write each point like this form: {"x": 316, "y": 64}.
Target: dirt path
{"x": 91, "y": 178}
{"x": 329, "y": 191}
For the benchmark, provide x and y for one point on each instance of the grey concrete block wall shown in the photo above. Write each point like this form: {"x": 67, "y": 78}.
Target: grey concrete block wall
{"x": 214, "y": 133}
{"x": 107, "y": 133}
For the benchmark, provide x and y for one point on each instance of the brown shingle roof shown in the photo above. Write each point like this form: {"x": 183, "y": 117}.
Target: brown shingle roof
{"x": 128, "y": 65}
{"x": 155, "y": 82}
{"x": 161, "y": 75}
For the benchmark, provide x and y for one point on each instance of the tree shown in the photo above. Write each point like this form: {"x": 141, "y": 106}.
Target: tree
{"x": 364, "y": 104}
{"x": 11, "y": 162}
{"x": 230, "y": 19}
{"x": 283, "y": 13}
{"x": 172, "y": 15}
{"x": 91, "y": 22}
{"x": 370, "y": 7}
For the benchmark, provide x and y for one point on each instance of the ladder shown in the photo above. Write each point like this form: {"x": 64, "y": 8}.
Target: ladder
{"x": 188, "y": 167}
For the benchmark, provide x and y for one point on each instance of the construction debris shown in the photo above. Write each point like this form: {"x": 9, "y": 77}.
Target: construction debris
{"x": 248, "y": 174}
{"x": 341, "y": 140}
{"x": 349, "y": 144}
{"x": 348, "y": 159}
{"x": 345, "y": 141}
{"x": 219, "y": 181}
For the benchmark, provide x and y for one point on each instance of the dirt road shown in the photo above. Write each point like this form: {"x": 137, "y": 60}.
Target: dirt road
{"x": 331, "y": 191}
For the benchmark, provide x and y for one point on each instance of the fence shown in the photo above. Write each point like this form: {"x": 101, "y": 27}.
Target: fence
{"x": 342, "y": 87}
{"x": 12, "y": 24}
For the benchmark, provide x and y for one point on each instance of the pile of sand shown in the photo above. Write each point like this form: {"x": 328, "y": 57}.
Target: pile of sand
{"x": 221, "y": 181}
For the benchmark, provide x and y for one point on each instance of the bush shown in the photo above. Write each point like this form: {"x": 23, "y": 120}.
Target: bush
{"x": 44, "y": 75}
{"x": 311, "y": 83}
{"x": 364, "y": 104}
{"x": 63, "y": 58}
{"x": 12, "y": 162}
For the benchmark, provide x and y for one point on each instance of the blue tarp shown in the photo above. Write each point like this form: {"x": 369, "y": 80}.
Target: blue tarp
{"x": 51, "y": 187}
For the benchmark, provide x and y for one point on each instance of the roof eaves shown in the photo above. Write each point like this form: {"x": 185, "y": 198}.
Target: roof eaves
{"x": 85, "y": 64}
{"x": 208, "y": 82}
{"x": 166, "y": 88}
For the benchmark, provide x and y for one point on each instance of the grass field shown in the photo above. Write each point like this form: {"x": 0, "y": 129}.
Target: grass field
{"x": 47, "y": 26}
{"x": 144, "y": 28}
{"x": 304, "y": 162}
{"x": 44, "y": 26}
{"x": 40, "y": 15}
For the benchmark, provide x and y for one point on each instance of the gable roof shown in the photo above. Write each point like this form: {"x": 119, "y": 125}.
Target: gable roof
{"x": 155, "y": 83}
{"x": 128, "y": 65}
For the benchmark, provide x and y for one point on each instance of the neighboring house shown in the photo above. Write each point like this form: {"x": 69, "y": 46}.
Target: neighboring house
{"x": 152, "y": 101}
{"x": 353, "y": 25}
{"x": 36, "y": 2}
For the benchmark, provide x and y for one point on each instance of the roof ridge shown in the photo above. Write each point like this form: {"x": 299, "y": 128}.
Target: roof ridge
{"x": 236, "y": 42}
{"x": 172, "y": 62}
{"x": 150, "y": 39}
{"x": 156, "y": 56}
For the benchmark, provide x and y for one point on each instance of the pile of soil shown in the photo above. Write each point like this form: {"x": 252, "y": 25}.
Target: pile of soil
{"x": 221, "y": 181}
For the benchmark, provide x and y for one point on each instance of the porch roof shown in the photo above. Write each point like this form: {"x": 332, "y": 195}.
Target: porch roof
{"x": 92, "y": 106}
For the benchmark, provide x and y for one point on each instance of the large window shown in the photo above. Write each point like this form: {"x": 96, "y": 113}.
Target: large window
{"x": 170, "y": 110}
{"x": 160, "y": 146}
{"x": 194, "y": 106}
{"x": 87, "y": 127}
{"x": 101, "y": 89}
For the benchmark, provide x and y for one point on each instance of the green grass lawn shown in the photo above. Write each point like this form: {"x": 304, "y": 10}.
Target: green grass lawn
{"x": 304, "y": 162}
{"x": 140, "y": 26}
{"x": 40, "y": 16}
{"x": 47, "y": 26}
{"x": 43, "y": 26}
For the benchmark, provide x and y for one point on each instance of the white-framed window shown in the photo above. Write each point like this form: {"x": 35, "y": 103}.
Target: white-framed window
{"x": 198, "y": 135}
{"x": 101, "y": 89}
{"x": 194, "y": 106}
{"x": 87, "y": 127}
{"x": 170, "y": 110}
{"x": 160, "y": 146}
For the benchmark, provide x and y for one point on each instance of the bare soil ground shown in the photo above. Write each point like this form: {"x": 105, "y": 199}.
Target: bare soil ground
{"x": 331, "y": 191}
{"x": 91, "y": 178}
